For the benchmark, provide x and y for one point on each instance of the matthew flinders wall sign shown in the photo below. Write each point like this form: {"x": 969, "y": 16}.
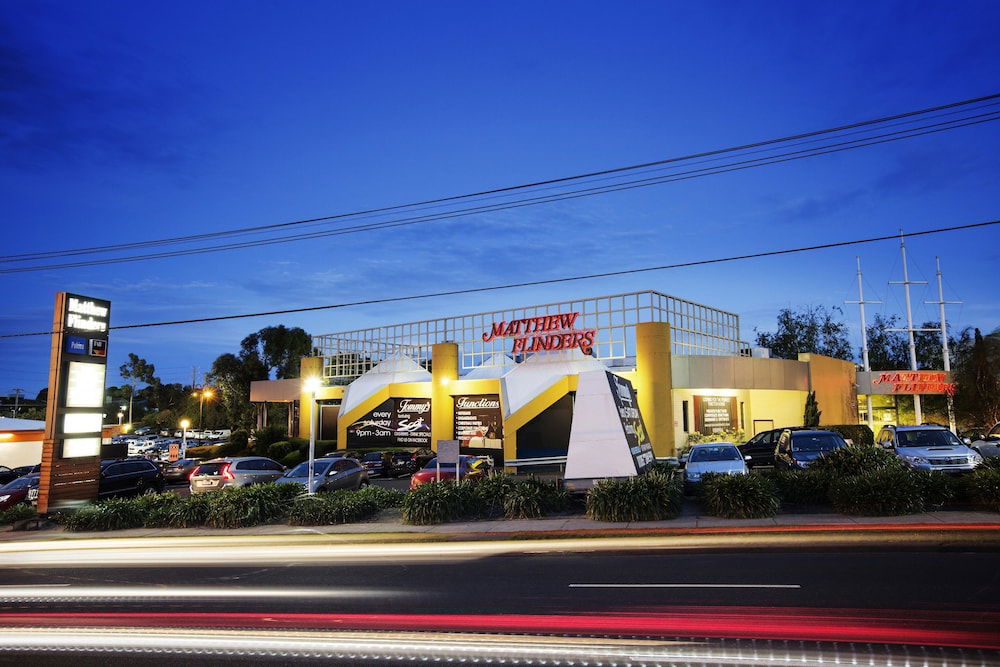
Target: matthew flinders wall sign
{"x": 905, "y": 382}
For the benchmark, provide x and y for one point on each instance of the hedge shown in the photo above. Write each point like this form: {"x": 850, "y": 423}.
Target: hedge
{"x": 859, "y": 434}
{"x": 984, "y": 485}
{"x": 649, "y": 497}
{"x": 739, "y": 496}
{"x": 857, "y": 460}
{"x": 16, "y": 513}
{"x": 880, "y": 492}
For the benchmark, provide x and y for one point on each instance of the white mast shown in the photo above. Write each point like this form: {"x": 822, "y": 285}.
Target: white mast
{"x": 941, "y": 303}
{"x": 906, "y": 282}
{"x": 864, "y": 340}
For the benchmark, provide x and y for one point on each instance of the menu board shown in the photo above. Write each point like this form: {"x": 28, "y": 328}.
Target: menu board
{"x": 396, "y": 422}
{"x": 635, "y": 429}
{"x": 714, "y": 414}
{"x": 478, "y": 421}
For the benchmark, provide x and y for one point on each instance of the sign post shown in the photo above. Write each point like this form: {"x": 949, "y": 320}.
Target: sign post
{"x": 71, "y": 450}
{"x": 448, "y": 452}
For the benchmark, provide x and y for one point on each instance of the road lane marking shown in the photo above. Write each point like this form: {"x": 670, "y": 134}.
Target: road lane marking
{"x": 685, "y": 586}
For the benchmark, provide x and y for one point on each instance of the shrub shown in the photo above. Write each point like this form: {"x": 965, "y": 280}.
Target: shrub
{"x": 887, "y": 491}
{"x": 157, "y": 509}
{"x": 265, "y": 437}
{"x": 250, "y": 506}
{"x": 524, "y": 501}
{"x": 293, "y": 459}
{"x": 936, "y": 488}
{"x": 237, "y": 444}
{"x": 984, "y": 485}
{"x": 112, "y": 514}
{"x": 16, "y": 513}
{"x": 439, "y": 502}
{"x": 280, "y": 450}
{"x": 857, "y": 460}
{"x": 859, "y": 434}
{"x": 649, "y": 497}
{"x": 492, "y": 490}
{"x": 989, "y": 463}
{"x": 191, "y": 511}
{"x": 737, "y": 437}
{"x": 331, "y": 508}
{"x": 203, "y": 453}
{"x": 804, "y": 487}
{"x": 381, "y": 497}
{"x": 739, "y": 496}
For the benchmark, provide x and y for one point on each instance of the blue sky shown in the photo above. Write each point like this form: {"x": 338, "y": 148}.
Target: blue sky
{"x": 133, "y": 121}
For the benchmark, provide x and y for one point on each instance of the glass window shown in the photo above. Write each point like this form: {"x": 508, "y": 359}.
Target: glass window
{"x": 20, "y": 483}
{"x": 114, "y": 469}
{"x": 340, "y": 466}
{"x": 210, "y": 469}
{"x": 302, "y": 469}
{"x": 722, "y": 453}
{"x": 816, "y": 442}
{"x": 372, "y": 456}
{"x": 246, "y": 466}
{"x": 929, "y": 438}
{"x": 267, "y": 464}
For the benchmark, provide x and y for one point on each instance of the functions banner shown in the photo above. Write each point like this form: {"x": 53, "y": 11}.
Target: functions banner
{"x": 478, "y": 422}
{"x": 714, "y": 414}
{"x": 396, "y": 422}
{"x": 635, "y": 429}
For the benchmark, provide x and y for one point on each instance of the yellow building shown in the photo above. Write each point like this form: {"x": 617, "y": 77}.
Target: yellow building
{"x": 503, "y": 383}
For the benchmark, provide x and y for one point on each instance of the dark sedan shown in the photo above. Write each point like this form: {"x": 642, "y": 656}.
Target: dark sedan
{"x": 179, "y": 471}
{"x": 19, "y": 491}
{"x": 129, "y": 477}
{"x": 797, "y": 450}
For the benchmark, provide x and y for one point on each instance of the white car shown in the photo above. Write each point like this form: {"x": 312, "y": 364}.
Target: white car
{"x": 723, "y": 458}
{"x": 929, "y": 447}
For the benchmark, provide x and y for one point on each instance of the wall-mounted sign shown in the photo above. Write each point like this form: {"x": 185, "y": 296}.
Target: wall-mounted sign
{"x": 72, "y": 446}
{"x": 549, "y": 332}
{"x": 396, "y": 422}
{"x": 478, "y": 422}
{"x": 635, "y": 429}
{"x": 714, "y": 414}
{"x": 905, "y": 382}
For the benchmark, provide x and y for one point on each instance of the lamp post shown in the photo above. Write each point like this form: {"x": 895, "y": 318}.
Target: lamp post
{"x": 311, "y": 385}
{"x": 185, "y": 423}
{"x": 202, "y": 394}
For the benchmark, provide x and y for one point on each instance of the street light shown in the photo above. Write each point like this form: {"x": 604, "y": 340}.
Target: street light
{"x": 311, "y": 385}
{"x": 201, "y": 396}
{"x": 185, "y": 424}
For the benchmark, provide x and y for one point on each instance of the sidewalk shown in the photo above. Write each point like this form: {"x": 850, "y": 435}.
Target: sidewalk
{"x": 390, "y": 527}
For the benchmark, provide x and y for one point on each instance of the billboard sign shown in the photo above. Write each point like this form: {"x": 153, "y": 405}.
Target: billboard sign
{"x": 714, "y": 414}
{"x": 478, "y": 421}
{"x": 396, "y": 422}
{"x": 905, "y": 382}
{"x": 639, "y": 445}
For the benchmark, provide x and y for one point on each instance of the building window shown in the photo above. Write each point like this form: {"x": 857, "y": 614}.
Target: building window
{"x": 684, "y": 416}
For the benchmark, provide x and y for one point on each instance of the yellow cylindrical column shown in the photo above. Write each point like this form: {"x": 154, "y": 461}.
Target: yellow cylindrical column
{"x": 654, "y": 384}
{"x": 308, "y": 367}
{"x": 444, "y": 371}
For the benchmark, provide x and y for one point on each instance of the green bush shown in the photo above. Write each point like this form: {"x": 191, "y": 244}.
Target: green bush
{"x": 292, "y": 459}
{"x": 157, "y": 509}
{"x": 331, "y": 508}
{"x": 203, "y": 453}
{"x": 801, "y": 487}
{"x": 250, "y": 506}
{"x": 492, "y": 490}
{"x": 193, "y": 511}
{"x": 112, "y": 514}
{"x": 736, "y": 437}
{"x": 860, "y": 434}
{"x": 887, "y": 491}
{"x": 15, "y": 513}
{"x": 238, "y": 444}
{"x": 937, "y": 488}
{"x": 984, "y": 485}
{"x": 381, "y": 497}
{"x": 648, "y": 497}
{"x": 524, "y": 501}
{"x": 739, "y": 496}
{"x": 989, "y": 463}
{"x": 280, "y": 450}
{"x": 267, "y": 436}
{"x": 440, "y": 502}
{"x": 857, "y": 460}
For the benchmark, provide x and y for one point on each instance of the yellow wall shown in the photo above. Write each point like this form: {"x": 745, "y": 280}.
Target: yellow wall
{"x": 653, "y": 382}
{"x": 782, "y": 407}
{"x": 444, "y": 371}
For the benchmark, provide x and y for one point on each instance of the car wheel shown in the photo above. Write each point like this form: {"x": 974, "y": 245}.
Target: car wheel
{"x": 144, "y": 490}
{"x": 363, "y": 483}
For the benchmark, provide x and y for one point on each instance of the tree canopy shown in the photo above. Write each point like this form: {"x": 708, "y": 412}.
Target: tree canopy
{"x": 814, "y": 329}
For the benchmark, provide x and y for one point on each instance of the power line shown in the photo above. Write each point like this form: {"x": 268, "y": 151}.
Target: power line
{"x": 495, "y": 191}
{"x": 533, "y": 201}
{"x": 549, "y": 281}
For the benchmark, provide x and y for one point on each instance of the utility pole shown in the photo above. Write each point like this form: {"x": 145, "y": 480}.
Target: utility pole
{"x": 906, "y": 282}
{"x": 945, "y": 356}
{"x": 194, "y": 377}
{"x": 864, "y": 341}
{"x": 17, "y": 398}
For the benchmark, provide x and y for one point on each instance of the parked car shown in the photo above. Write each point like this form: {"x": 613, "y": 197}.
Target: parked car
{"x": 7, "y": 474}
{"x": 760, "y": 448}
{"x": 329, "y": 474}
{"x": 929, "y": 447}
{"x": 978, "y": 436}
{"x": 127, "y": 477}
{"x": 179, "y": 471}
{"x": 429, "y": 473}
{"x": 21, "y": 490}
{"x": 238, "y": 471}
{"x": 988, "y": 450}
{"x": 377, "y": 464}
{"x": 402, "y": 464}
{"x": 723, "y": 458}
{"x": 797, "y": 449}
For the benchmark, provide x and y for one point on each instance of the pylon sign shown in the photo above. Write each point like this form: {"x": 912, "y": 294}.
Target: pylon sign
{"x": 74, "y": 416}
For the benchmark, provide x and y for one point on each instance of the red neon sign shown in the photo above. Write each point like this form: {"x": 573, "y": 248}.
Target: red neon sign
{"x": 917, "y": 382}
{"x": 548, "y": 332}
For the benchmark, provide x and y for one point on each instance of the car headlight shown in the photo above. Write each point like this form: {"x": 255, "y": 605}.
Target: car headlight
{"x": 4, "y": 499}
{"x": 975, "y": 459}
{"x": 915, "y": 459}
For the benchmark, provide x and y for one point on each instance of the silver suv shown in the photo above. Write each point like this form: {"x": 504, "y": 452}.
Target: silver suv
{"x": 239, "y": 471}
{"x": 929, "y": 447}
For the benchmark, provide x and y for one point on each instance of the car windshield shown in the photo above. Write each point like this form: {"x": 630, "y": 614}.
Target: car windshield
{"x": 703, "y": 454}
{"x": 373, "y": 456}
{"x": 302, "y": 469}
{"x": 816, "y": 442}
{"x": 210, "y": 468}
{"x": 20, "y": 483}
{"x": 929, "y": 438}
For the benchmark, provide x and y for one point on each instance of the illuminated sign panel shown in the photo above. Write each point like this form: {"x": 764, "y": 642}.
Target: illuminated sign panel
{"x": 549, "y": 332}
{"x": 85, "y": 314}
{"x": 905, "y": 382}
{"x": 82, "y": 422}
{"x": 85, "y": 385}
{"x": 74, "y": 448}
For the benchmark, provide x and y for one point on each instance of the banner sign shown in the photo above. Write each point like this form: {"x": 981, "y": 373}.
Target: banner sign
{"x": 74, "y": 414}
{"x": 905, "y": 382}
{"x": 478, "y": 422}
{"x": 396, "y": 422}
{"x": 631, "y": 419}
{"x": 549, "y": 332}
{"x": 714, "y": 414}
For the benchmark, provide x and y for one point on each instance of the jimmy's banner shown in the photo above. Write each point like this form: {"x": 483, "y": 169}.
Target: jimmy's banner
{"x": 396, "y": 422}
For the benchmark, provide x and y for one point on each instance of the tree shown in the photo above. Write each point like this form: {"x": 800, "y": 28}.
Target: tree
{"x": 977, "y": 379}
{"x": 887, "y": 350}
{"x": 812, "y": 329}
{"x": 810, "y": 416}
{"x": 232, "y": 375}
{"x": 134, "y": 371}
{"x": 279, "y": 348}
